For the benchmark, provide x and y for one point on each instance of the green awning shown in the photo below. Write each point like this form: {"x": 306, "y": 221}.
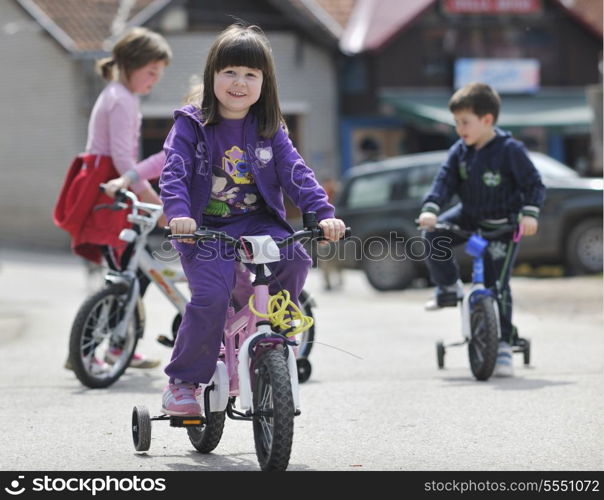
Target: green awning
{"x": 556, "y": 109}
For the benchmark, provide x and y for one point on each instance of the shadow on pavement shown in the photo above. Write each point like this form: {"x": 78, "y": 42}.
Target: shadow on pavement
{"x": 507, "y": 384}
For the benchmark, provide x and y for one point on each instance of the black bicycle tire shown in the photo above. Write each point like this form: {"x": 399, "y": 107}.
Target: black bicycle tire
{"x": 270, "y": 371}
{"x": 141, "y": 428}
{"x": 206, "y": 437}
{"x": 483, "y": 369}
{"x": 77, "y": 331}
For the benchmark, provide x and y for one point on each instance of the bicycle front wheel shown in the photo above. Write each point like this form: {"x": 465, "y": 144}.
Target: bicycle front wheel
{"x": 307, "y": 337}
{"x": 97, "y": 356}
{"x": 483, "y": 345}
{"x": 274, "y": 410}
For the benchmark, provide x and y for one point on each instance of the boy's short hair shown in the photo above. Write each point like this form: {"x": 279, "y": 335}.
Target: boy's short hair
{"x": 479, "y": 98}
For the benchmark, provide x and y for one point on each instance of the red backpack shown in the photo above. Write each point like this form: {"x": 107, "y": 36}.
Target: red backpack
{"x": 74, "y": 211}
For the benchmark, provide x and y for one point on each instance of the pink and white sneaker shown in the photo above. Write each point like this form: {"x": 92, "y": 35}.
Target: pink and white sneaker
{"x": 179, "y": 400}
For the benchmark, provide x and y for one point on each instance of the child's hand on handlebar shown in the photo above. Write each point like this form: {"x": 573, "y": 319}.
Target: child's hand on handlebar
{"x": 333, "y": 229}
{"x": 183, "y": 225}
{"x": 114, "y": 185}
{"x": 528, "y": 225}
{"x": 427, "y": 220}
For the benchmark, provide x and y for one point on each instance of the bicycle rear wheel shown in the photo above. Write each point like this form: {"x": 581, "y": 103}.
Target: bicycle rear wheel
{"x": 93, "y": 336}
{"x": 273, "y": 420}
{"x": 483, "y": 345}
{"x": 206, "y": 437}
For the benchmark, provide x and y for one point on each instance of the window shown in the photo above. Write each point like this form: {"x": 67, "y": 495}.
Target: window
{"x": 419, "y": 181}
{"x": 371, "y": 190}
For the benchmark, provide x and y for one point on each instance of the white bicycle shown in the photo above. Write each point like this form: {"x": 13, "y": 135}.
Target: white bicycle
{"x": 110, "y": 322}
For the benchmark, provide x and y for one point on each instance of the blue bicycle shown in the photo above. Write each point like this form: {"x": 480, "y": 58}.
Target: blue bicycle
{"x": 481, "y": 328}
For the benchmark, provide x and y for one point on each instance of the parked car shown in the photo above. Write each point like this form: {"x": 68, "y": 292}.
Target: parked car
{"x": 381, "y": 201}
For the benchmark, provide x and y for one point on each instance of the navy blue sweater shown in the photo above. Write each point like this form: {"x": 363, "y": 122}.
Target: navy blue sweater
{"x": 497, "y": 181}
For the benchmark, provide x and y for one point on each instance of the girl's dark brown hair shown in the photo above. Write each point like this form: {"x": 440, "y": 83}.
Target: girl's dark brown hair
{"x": 241, "y": 45}
{"x": 137, "y": 48}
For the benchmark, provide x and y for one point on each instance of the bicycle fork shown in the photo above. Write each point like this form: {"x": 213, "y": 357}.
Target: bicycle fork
{"x": 468, "y": 300}
{"x": 264, "y": 330}
{"x": 119, "y": 332}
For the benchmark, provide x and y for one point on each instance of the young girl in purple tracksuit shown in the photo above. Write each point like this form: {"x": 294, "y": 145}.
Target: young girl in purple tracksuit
{"x": 228, "y": 161}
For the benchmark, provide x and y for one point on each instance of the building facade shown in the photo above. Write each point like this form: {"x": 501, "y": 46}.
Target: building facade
{"x": 405, "y": 59}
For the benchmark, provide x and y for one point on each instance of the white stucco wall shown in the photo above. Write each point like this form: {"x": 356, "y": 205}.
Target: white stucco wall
{"x": 42, "y": 127}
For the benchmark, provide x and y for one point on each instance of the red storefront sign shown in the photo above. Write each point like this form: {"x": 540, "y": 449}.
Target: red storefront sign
{"x": 491, "y": 6}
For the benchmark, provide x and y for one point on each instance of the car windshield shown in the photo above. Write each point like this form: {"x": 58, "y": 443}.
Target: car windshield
{"x": 550, "y": 168}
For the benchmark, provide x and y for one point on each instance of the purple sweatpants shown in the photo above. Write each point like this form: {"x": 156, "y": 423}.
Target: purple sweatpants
{"x": 210, "y": 270}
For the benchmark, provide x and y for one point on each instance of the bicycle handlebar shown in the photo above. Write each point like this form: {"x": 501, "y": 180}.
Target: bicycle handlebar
{"x": 487, "y": 234}
{"x": 205, "y": 234}
{"x": 121, "y": 198}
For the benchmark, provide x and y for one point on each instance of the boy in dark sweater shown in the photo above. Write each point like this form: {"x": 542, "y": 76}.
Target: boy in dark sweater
{"x": 496, "y": 183}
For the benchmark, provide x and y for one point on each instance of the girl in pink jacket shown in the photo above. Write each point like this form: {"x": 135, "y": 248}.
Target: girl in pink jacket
{"x": 137, "y": 63}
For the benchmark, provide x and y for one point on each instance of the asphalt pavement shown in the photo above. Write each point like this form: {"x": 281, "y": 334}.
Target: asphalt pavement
{"x": 375, "y": 400}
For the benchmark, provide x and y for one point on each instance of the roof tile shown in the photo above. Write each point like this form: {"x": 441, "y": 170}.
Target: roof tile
{"x": 87, "y": 23}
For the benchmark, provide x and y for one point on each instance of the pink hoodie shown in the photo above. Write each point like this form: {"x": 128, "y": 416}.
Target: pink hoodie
{"x": 114, "y": 130}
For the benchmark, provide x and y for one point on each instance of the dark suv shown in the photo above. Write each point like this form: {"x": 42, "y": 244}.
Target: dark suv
{"x": 382, "y": 200}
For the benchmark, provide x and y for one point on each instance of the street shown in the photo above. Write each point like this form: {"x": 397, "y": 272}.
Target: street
{"x": 375, "y": 400}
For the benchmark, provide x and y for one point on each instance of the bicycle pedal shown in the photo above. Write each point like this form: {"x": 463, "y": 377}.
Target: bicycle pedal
{"x": 186, "y": 421}
{"x": 447, "y": 299}
{"x": 163, "y": 340}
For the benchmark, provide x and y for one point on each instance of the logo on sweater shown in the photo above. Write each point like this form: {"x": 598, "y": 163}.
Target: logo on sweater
{"x": 264, "y": 155}
{"x": 463, "y": 170}
{"x": 491, "y": 178}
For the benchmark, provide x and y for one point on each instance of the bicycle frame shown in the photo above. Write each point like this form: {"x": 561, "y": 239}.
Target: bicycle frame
{"x": 483, "y": 303}
{"x": 161, "y": 273}
{"x": 476, "y": 289}
{"x": 241, "y": 329}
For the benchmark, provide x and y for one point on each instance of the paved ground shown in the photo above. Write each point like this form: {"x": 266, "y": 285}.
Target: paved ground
{"x": 375, "y": 400}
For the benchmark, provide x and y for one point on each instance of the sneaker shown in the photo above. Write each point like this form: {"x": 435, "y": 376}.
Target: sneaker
{"x": 137, "y": 361}
{"x": 179, "y": 400}
{"x": 504, "y": 367}
{"x": 446, "y": 293}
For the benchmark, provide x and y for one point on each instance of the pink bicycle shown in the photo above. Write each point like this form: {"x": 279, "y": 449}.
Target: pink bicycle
{"x": 257, "y": 361}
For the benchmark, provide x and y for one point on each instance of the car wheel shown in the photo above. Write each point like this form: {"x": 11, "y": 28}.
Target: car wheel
{"x": 385, "y": 270}
{"x": 584, "y": 248}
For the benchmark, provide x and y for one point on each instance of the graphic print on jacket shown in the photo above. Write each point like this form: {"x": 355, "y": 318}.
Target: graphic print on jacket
{"x": 234, "y": 189}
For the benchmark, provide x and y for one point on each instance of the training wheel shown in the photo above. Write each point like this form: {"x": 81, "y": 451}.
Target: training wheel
{"x": 304, "y": 369}
{"x": 141, "y": 428}
{"x": 440, "y": 355}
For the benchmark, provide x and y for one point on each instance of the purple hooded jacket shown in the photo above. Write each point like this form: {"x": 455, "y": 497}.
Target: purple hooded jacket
{"x": 186, "y": 179}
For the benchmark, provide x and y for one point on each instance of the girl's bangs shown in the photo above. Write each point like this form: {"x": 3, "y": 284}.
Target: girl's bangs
{"x": 242, "y": 52}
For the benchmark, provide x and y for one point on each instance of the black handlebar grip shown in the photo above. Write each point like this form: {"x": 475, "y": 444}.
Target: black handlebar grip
{"x": 309, "y": 220}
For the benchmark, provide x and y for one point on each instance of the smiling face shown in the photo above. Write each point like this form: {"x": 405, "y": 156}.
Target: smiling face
{"x": 237, "y": 89}
{"x": 143, "y": 79}
{"x": 474, "y": 130}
